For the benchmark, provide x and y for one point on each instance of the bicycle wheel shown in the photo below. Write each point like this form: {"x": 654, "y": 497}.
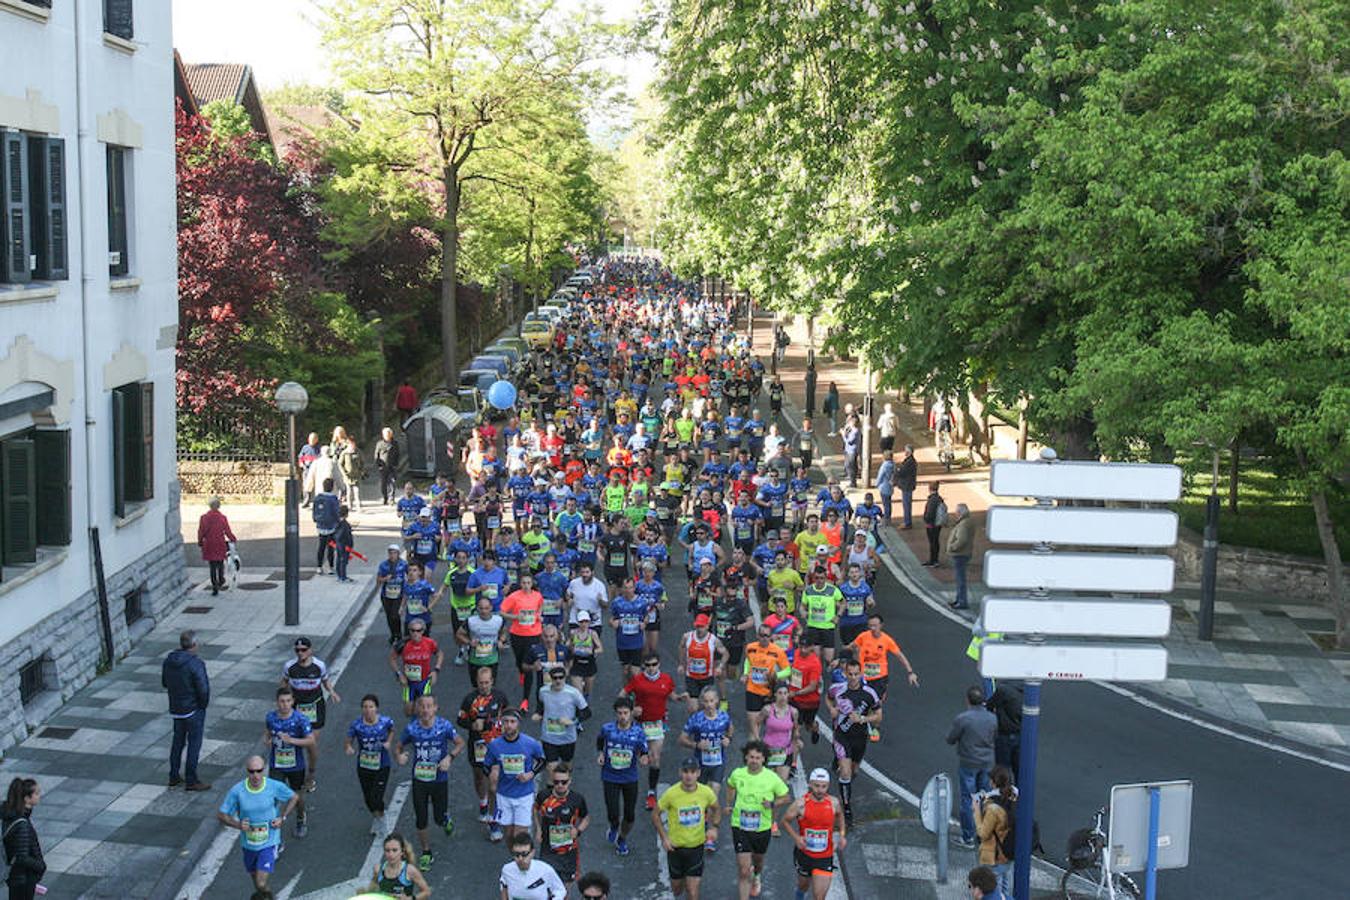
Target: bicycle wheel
{"x": 1082, "y": 884}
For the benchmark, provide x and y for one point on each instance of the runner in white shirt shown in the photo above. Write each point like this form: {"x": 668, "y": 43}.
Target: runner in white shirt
{"x": 526, "y": 878}
{"x": 586, "y": 592}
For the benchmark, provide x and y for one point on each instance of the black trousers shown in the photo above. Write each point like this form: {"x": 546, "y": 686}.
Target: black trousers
{"x": 324, "y": 550}
{"x": 617, "y": 794}
{"x": 391, "y": 616}
{"x": 217, "y": 567}
{"x": 373, "y": 784}
{"x": 933, "y": 531}
{"x": 388, "y": 483}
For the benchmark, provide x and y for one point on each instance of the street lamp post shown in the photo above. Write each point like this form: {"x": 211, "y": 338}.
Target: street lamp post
{"x": 292, "y": 399}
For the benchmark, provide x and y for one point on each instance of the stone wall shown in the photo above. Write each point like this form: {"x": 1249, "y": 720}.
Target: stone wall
{"x": 69, "y": 641}
{"x": 1298, "y": 578}
{"x": 241, "y": 478}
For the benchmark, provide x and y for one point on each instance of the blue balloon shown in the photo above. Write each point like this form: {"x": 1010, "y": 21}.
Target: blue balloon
{"x": 502, "y": 394}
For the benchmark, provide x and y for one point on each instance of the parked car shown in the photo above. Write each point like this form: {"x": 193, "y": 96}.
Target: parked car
{"x": 514, "y": 354}
{"x": 499, "y": 364}
{"x": 472, "y": 404}
{"x": 478, "y": 378}
{"x": 539, "y": 332}
{"x": 520, "y": 344}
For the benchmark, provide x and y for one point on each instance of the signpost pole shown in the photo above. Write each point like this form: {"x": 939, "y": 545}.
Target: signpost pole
{"x": 1026, "y": 790}
{"x": 1151, "y": 868}
{"x": 944, "y": 804}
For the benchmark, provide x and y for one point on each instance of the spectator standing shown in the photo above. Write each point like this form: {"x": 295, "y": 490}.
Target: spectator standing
{"x": 214, "y": 537}
{"x": 353, "y": 467}
{"x": 852, "y": 440}
{"x": 405, "y": 401}
{"x": 993, "y": 821}
{"x": 934, "y": 517}
{"x": 387, "y": 457}
{"x": 960, "y": 544}
{"x": 184, "y": 677}
{"x": 885, "y": 485}
{"x": 830, "y": 406}
{"x": 972, "y": 733}
{"x": 1006, "y": 703}
{"x": 324, "y": 468}
{"x": 23, "y": 852}
{"x": 983, "y": 884}
{"x": 326, "y": 514}
{"x": 907, "y": 479}
{"x": 304, "y": 459}
{"x": 888, "y": 425}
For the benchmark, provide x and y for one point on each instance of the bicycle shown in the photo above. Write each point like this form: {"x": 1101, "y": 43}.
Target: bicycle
{"x": 1089, "y": 872}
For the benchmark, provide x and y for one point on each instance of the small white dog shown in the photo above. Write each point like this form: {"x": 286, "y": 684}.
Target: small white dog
{"x": 232, "y": 565}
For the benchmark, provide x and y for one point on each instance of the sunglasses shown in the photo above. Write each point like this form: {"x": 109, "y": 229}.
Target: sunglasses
{"x": 255, "y": 771}
{"x": 521, "y": 854}
{"x": 593, "y": 896}
{"x": 562, "y": 781}
{"x": 416, "y": 630}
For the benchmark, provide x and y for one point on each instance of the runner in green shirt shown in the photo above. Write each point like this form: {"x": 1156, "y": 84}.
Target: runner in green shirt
{"x": 461, "y": 601}
{"x": 752, "y": 793}
{"x": 820, "y": 603}
{"x": 691, "y": 817}
{"x": 537, "y": 545}
{"x": 613, "y": 497}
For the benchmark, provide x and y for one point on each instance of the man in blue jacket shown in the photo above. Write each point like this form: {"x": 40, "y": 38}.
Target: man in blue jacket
{"x": 184, "y": 677}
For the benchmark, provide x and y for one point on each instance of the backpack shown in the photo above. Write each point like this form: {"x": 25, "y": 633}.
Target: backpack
{"x": 1007, "y": 845}
{"x": 940, "y": 514}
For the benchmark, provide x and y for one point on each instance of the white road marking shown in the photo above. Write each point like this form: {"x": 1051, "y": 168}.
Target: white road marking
{"x": 345, "y": 888}
{"x": 285, "y": 893}
{"x": 358, "y": 635}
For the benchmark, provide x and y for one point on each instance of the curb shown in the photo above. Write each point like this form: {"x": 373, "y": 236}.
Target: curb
{"x": 166, "y": 887}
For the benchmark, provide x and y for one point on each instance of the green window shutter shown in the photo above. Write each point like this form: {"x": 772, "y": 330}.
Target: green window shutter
{"x": 47, "y": 193}
{"x": 119, "y": 429}
{"x": 118, "y": 18}
{"x": 118, "y": 264}
{"x": 147, "y": 440}
{"x": 15, "y": 266}
{"x": 52, "y": 462}
{"x": 18, "y": 494}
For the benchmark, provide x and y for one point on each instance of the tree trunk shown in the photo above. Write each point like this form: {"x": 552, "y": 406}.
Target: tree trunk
{"x": 1233, "y": 477}
{"x": 531, "y": 276}
{"x": 1023, "y": 428}
{"x": 449, "y": 267}
{"x": 1331, "y": 552}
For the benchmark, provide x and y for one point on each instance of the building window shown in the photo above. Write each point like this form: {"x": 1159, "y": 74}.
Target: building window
{"x": 32, "y": 680}
{"x": 134, "y": 605}
{"x": 34, "y": 494}
{"x": 133, "y": 445}
{"x": 33, "y": 228}
{"x": 117, "y": 18}
{"x": 118, "y": 251}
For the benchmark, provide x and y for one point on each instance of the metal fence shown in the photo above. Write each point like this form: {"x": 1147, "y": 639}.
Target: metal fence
{"x": 243, "y": 435}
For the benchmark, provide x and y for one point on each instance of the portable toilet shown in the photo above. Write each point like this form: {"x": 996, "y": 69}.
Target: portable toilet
{"x": 428, "y": 432}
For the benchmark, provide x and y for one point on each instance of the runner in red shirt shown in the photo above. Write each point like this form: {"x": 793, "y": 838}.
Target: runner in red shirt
{"x": 416, "y": 661}
{"x": 651, "y": 689}
{"x": 804, "y": 687}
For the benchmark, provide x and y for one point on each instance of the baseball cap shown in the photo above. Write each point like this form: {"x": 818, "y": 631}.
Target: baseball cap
{"x": 396, "y": 548}
{"x": 583, "y": 616}
{"x": 823, "y": 550}
{"x": 701, "y": 619}
{"x": 690, "y": 764}
{"x": 303, "y": 642}
{"x": 425, "y": 513}
{"x": 771, "y": 534}
{"x": 819, "y": 774}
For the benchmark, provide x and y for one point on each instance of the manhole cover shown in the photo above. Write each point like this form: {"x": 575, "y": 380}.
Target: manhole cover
{"x": 198, "y": 610}
{"x": 280, "y": 575}
{"x": 256, "y": 585}
{"x": 57, "y": 731}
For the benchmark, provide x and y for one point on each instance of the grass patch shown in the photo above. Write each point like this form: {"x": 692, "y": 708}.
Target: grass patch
{"x": 1269, "y": 517}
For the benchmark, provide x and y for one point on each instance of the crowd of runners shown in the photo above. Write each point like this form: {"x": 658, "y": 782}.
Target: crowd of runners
{"x": 637, "y": 444}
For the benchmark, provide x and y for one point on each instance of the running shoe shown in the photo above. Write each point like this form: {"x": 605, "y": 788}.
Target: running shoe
{"x": 425, "y": 860}
{"x": 376, "y": 825}
{"x": 449, "y": 826}
{"x": 873, "y": 733}
{"x": 301, "y": 828}
{"x": 966, "y": 843}
{"x": 622, "y": 846}
{"x": 755, "y": 886}
{"x": 815, "y": 736}
{"x": 774, "y": 830}
{"x": 525, "y": 705}
{"x": 484, "y": 814}
{"x": 710, "y": 845}
{"x": 651, "y": 800}
{"x": 612, "y": 834}
{"x": 310, "y": 785}
{"x": 495, "y": 834}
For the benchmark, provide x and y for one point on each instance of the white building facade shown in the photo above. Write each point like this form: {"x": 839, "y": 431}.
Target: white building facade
{"x": 90, "y": 553}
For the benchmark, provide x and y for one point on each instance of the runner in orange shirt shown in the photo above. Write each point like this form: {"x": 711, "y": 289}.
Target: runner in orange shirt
{"x": 873, "y": 648}
{"x": 765, "y": 662}
{"x": 523, "y": 608}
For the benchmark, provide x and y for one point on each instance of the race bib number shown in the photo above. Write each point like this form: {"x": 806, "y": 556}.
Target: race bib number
{"x": 663, "y": 513}
{"x": 586, "y": 546}
{"x": 513, "y": 764}
{"x": 424, "y": 771}
{"x": 257, "y": 835}
{"x": 526, "y": 618}
{"x": 713, "y": 755}
{"x": 871, "y": 670}
{"x": 742, "y": 532}
{"x": 483, "y": 649}
{"x": 479, "y": 751}
{"x": 854, "y": 607}
{"x": 777, "y": 757}
{"x": 424, "y": 547}
{"x": 554, "y": 726}
{"x": 750, "y": 819}
{"x": 783, "y": 639}
{"x": 369, "y": 759}
{"x": 412, "y": 672}
{"x": 494, "y": 522}
{"x": 815, "y": 839}
{"x": 416, "y": 607}
{"x": 654, "y": 731}
{"x": 618, "y": 560}
{"x": 490, "y": 591}
{"x": 698, "y": 666}
{"x": 309, "y": 711}
{"x": 620, "y": 757}
{"x": 393, "y": 589}
{"x": 776, "y": 507}
{"x": 559, "y": 836}
{"x": 452, "y": 526}
{"x": 551, "y": 607}
{"x": 630, "y": 624}
{"x": 283, "y": 757}
{"x": 759, "y": 675}
{"x": 818, "y": 618}
{"x": 689, "y": 816}
{"x": 795, "y": 679}
{"x": 805, "y": 444}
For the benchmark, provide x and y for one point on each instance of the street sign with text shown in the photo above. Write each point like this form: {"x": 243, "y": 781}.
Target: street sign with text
{"x": 1146, "y": 482}
{"x": 1073, "y": 661}
{"x": 1081, "y": 616}
{"x": 1082, "y": 526}
{"x": 1119, "y": 572}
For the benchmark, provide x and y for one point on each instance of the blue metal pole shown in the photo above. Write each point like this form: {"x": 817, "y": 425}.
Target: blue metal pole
{"x": 1151, "y": 868}
{"x": 1026, "y": 790}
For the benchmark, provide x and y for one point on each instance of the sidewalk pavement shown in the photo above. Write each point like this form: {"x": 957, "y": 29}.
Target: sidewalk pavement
{"x": 1263, "y": 675}
{"x": 109, "y": 824}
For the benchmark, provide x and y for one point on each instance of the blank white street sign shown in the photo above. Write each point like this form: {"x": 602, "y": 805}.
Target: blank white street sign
{"x": 1082, "y": 526}
{"x": 1073, "y": 661}
{"x": 1077, "y": 616}
{"x": 1131, "y": 573}
{"x": 1085, "y": 480}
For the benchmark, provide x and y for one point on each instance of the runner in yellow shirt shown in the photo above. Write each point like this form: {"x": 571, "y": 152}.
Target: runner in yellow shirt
{"x": 691, "y": 818}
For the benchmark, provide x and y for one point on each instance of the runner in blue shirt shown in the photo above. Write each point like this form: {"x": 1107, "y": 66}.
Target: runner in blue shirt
{"x": 469, "y": 543}
{"x": 409, "y": 505}
{"x": 288, "y": 732}
{"x": 417, "y": 593}
{"x": 424, "y": 540}
{"x": 510, "y": 554}
{"x": 390, "y": 575}
{"x": 858, "y": 603}
{"x": 628, "y": 614}
{"x": 551, "y": 582}
{"x": 772, "y": 500}
{"x": 489, "y": 581}
{"x": 512, "y": 761}
{"x": 746, "y": 519}
{"x": 435, "y": 744}
{"x": 258, "y": 807}
{"x": 368, "y": 739}
{"x": 520, "y": 485}
{"x": 620, "y": 748}
{"x": 709, "y": 731}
